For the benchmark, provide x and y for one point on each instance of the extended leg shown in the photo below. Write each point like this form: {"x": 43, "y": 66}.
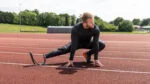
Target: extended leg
{"x": 60, "y": 51}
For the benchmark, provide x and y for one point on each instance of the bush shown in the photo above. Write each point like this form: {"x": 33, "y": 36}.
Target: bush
{"x": 104, "y": 26}
{"x": 108, "y": 27}
{"x": 125, "y": 26}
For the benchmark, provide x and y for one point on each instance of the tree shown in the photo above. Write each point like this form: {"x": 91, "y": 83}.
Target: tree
{"x": 53, "y": 19}
{"x": 41, "y": 19}
{"x": 117, "y": 21}
{"x": 62, "y": 19}
{"x": 98, "y": 21}
{"x": 73, "y": 20}
{"x": 16, "y": 18}
{"x": 126, "y": 26}
{"x": 28, "y": 17}
{"x": 36, "y": 11}
{"x": 67, "y": 18}
{"x": 145, "y": 22}
{"x": 46, "y": 19}
{"x": 111, "y": 22}
{"x": 136, "y": 21}
{"x": 1, "y": 17}
{"x": 104, "y": 26}
{"x": 78, "y": 20}
{"x": 6, "y": 17}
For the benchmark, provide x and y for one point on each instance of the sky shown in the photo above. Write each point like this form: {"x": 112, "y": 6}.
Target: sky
{"x": 107, "y": 10}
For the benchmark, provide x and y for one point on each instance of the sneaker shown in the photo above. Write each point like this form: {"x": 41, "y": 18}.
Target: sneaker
{"x": 44, "y": 62}
{"x": 85, "y": 55}
{"x": 97, "y": 63}
{"x": 87, "y": 58}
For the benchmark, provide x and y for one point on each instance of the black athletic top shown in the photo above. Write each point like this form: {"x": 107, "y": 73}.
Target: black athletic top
{"x": 79, "y": 36}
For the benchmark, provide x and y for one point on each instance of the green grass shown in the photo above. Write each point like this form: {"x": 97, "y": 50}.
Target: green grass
{"x": 12, "y": 28}
{"x": 134, "y": 32}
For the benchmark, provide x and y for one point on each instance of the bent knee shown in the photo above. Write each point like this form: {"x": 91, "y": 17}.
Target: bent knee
{"x": 102, "y": 45}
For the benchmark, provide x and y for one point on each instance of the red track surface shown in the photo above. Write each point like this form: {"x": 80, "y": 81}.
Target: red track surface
{"x": 126, "y": 59}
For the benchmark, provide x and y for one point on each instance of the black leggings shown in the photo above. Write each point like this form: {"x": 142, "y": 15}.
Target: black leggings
{"x": 66, "y": 49}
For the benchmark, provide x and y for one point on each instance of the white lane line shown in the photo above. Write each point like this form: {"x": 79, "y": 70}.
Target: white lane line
{"x": 77, "y": 68}
{"x": 119, "y": 58}
{"x": 55, "y": 47}
{"x": 14, "y": 41}
{"x": 49, "y": 46}
{"x": 128, "y": 41}
{"x": 19, "y": 53}
{"x": 102, "y": 51}
{"x": 127, "y": 52}
{"x": 26, "y": 47}
{"x": 116, "y": 58}
{"x": 9, "y": 63}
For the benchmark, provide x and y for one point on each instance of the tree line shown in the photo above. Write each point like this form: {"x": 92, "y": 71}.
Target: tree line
{"x": 35, "y": 18}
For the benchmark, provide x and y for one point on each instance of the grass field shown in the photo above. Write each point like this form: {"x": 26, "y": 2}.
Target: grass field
{"x": 134, "y": 32}
{"x": 12, "y": 28}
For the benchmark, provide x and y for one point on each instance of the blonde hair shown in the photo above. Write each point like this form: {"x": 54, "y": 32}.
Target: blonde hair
{"x": 86, "y": 16}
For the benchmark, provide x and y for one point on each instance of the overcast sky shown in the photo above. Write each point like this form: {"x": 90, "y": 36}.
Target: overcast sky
{"x": 108, "y": 10}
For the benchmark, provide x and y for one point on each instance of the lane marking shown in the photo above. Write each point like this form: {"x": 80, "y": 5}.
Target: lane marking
{"x": 127, "y": 51}
{"x": 118, "y": 58}
{"x": 26, "y": 47}
{"x": 37, "y": 47}
{"x": 77, "y": 68}
{"x": 101, "y": 52}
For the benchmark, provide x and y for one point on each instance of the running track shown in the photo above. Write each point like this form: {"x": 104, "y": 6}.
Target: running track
{"x": 126, "y": 59}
